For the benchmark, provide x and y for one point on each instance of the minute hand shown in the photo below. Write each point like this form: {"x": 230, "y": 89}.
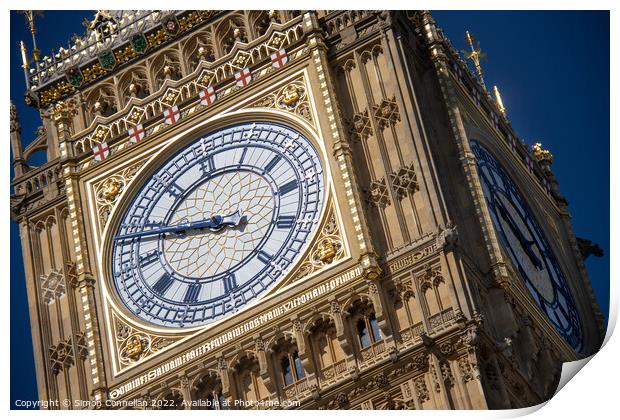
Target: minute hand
{"x": 525, "y": 244}
{"x": 214, "y": 224}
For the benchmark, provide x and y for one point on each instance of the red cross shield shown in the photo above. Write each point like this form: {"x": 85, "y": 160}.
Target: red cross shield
{"x": 172, "y": 115}
{"x": 136, "y": 133}
{"x": 243, "y": 77}
{"x": 207, "y": 96}
{"x": 101, "y": 151}
{"x": 279, "y": 58}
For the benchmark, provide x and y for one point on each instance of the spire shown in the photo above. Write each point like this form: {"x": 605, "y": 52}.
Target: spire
{"x": 30, "y": 16}
{"x": 498, "y": 100}
{"x": 25, "y": 62}
{"x": 475, "y": 55}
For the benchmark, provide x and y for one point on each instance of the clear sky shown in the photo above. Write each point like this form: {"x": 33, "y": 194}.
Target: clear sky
{"x": 551, "y": 67}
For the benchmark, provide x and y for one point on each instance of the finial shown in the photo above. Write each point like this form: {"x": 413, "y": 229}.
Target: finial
{"x": 475, "y": 55}
{"x": 30, "y": 16}
{"x": 19, "y": 164}
{"x": 25, "y": 63}
{"x": 498, "y": 100}
{"x": 540, "y": 154}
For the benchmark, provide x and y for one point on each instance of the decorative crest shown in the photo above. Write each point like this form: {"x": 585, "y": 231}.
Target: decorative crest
{"x": 540, "y": 154}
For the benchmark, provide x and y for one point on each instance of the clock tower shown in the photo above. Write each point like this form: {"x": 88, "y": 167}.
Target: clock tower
{"x": 289, "y": 209}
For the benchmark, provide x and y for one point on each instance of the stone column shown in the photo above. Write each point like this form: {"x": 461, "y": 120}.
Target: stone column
{"x": 61, "y": 116}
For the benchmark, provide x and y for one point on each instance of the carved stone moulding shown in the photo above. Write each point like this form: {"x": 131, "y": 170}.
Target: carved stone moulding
{"x": 292, "y": 97}
{"x": 404, "y": 181}
{"x": 327, "y": 249}
{"x": 132, "y": 345}
{"x": 108, "y": 190}
{"x": 378, "y": 194}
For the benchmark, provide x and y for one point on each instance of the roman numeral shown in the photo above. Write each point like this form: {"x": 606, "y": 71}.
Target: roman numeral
{"x": 242, "y": 158}
{"x": 230, "y": 283}
{"x": 174, "y": 190}
{"x": 285, "y": 222}
{"x": 272, "y": 163}
{"x": 149, "y": 258}
{"x": 263, "y": 257}
{"x": 191, "y": 296}
{"x": 207, "y": 165}
{"x": 288, "y": 187}
{"x": 163, "y": 284}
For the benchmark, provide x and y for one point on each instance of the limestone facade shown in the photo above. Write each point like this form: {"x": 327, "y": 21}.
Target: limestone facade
{"x": 406, "y": 299}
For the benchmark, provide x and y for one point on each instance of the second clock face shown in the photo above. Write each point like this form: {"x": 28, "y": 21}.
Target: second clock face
{"x": 527, "y": 246}
{"x": 218, "y": 224}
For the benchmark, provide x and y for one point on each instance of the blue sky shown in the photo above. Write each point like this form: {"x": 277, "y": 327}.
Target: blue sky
{"x": 552, "y": 68}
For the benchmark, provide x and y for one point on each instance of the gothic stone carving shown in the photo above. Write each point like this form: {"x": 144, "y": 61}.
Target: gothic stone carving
{"x": 329, "y": 247}
{"x": 292, "y": 97}
{"x": 386, "y": 113}
{"x": 108, "y": 190}
{"x": 378, "y": 193}
{"x": 404, "y": 181}
{"x": 52, "y": 286}
{"x": 361, "y": 127}
{"x": 133, "y": 345}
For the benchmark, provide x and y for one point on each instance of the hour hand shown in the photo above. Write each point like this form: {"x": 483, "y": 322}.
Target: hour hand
{"x": 214, "y": 224}
{"x": 525, "y": 244}
{"x": 217, "y": 223}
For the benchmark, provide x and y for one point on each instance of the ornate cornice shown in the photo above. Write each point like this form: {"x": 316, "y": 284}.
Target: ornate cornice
{"x": 87, "y": 61}
{"x": 185, "y": 94}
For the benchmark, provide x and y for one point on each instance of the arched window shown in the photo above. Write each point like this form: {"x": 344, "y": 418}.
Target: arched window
{"x": 368, "y": 330}
{"x": 215, "y": 401}
{"x": 365, "y": 323}
{"x": 291, "y": 368}
{"x": 287, "y": 358}
{"x": 207, "y": 392}
{"x": 287, "y": 370}
{"x": 250, "y": 386}
{"x": 325, "y": 344}
{"x": 374, "y": 328}
{"x": 362, "y": 333}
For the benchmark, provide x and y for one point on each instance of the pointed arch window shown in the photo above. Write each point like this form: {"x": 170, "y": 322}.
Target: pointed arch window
{"x": 368, "y": 331}
{"x": 292, "y": 369}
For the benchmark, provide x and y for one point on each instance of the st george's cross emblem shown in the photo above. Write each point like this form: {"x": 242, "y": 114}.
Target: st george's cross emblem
{"x": 243, "y": 77}
{"x": 172, "y": 115}
{"x": 101, "y": 151}
{"x": 207, "y": 96}
{"x": 279, "y": 58}
{"x": 136, "y": 133}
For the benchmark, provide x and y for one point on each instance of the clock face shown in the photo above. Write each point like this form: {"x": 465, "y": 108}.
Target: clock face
{"x": 529, "y": 250}
{"x": 218, "y": 224}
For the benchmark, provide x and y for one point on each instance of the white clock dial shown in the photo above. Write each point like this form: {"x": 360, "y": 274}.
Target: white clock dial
{"x": 218, "y": 225}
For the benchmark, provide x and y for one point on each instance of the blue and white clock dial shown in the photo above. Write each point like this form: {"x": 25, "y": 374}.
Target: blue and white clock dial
{"x": 528, "y": 248}
{"x": 218, "y": 225}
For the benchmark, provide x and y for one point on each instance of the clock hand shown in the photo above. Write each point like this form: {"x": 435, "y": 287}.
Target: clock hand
{"x": 217, "y": 223}
{"x": 525, "y": 244}
{"x": 214, "y": 224}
